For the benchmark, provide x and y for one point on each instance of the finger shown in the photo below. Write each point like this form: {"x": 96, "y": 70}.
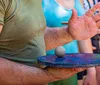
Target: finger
{"x": 96, "y": 17}
{"x": 91, "y": 11}
{"x": 98, "y": 32}
{"x": 74, "y": 15}
{"x": 98, "y": 24}
{"x": 85, "y": 83}
{"x": 94, "y": 48}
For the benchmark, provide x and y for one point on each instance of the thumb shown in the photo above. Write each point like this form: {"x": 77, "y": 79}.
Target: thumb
{"x": 94, "y": 48}
{"x": 98, "y": 31}
{"x": 85, "y": 82}
{"x": 74, "y": 15}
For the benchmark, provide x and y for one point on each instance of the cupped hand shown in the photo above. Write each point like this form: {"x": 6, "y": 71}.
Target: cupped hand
{"x": 63, "y": 73}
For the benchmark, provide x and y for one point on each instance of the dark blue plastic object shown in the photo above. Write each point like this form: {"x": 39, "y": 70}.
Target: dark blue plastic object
{"x": 75, "y": 60}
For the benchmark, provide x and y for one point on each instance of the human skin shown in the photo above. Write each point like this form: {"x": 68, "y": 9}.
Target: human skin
{"x": 98, "y": 74}
{"x": 85, "y": 46}
{"x": 79, "y": 28}
{"x": 96, "y": 18}
{"x": 12, "y": 73}
{"x": 69, "y": 4}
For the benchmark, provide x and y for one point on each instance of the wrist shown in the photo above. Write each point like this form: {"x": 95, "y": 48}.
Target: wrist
{"x": 91, "y": 71}
{"x": 65, "y": 34}
{"x": 51, "y": 74}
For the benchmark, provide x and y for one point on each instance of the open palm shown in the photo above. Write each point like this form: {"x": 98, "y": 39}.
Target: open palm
{"x": 85, "y": 26}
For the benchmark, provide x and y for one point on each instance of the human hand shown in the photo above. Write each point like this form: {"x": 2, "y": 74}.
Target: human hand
{"x": 90, "y": 79}
{"x": 94, "y": 48}
{"x": 63, "y": 73}
{"x": 83, "y": 27}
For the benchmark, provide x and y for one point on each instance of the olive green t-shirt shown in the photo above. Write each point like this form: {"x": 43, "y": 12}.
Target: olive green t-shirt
{"x": 22, "y": 37}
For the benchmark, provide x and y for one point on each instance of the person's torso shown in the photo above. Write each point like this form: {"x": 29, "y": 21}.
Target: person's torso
{"x": 23, "y": 32}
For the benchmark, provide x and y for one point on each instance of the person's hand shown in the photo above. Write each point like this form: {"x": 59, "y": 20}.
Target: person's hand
{"x": 96, "y": 18}
{"x": 63, "y": 73}
{"x": 94, "y": 48}
{"x": 83, "y": 27}
{"x": 90, "y": 79}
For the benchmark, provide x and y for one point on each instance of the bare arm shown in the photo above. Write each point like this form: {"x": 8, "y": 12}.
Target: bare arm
{"x": 55, "y": 37}
{"x": 12, "y": 73}
{"x": 85, "y": 46}
{"x": 17, "y": 74}
{"x": 79, "y": 28}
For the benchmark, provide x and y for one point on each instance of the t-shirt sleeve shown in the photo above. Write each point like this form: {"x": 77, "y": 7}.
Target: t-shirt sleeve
{"x": 3, "y": 9}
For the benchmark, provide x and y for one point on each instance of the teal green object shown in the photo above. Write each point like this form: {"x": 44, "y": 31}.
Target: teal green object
{"x": 55, "y": 15}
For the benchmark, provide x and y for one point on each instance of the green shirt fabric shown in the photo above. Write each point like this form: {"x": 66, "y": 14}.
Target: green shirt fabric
{"x": 22, "y": 37}
{"x": 69, "y": 81}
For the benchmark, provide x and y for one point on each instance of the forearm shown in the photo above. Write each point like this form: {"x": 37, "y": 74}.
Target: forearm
{"x": 85, "y": 46}
{"x": 12, "y": 73}
{"x": 56, "y": 37}
{"x": 91, "y": 71}
{"x": 16, "y": 74}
